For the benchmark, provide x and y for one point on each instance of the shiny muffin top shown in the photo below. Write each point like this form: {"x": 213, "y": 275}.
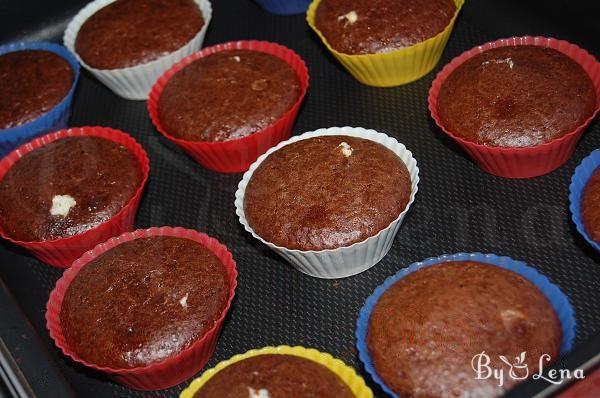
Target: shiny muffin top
{"x": 127, "y": 33}
{"x": 33, "y": 82}
{"x": 275, "y": 376}
{"x": 326, "y": 192}
{"x": 67, "y": 187}
{"x": 143, "y": 301}
{"x": 516, "y": 96}
{"x": 380, "y": 26}
{"x": 425, "y": 330}
{"x": 227, "y": 95}
{"x": 590, "y": 206}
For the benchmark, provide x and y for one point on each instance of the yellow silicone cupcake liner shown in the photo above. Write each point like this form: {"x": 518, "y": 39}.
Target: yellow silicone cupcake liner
{"x": 396, "y": 67}
{"x": 347, "y": 374}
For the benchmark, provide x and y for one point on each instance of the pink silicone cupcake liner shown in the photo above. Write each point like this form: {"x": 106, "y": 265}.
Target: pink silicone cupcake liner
{"x": 237, "y": 155}
{"x": 172, "y": 370}
{"x": 522, "y": 162}
{"x": 62, "y": 252}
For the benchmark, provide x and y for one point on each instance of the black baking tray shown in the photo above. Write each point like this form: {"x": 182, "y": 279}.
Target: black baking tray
{"x": 458, "y": 207}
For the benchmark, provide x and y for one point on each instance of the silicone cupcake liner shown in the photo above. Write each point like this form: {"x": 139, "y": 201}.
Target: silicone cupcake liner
{"x": 344, "y": 372}
{"x": 62, "y": 252}
{"x": 173, "y": 370}
{"x": 135, "y": 82}
{"x": 558, "y": 300}
{"x": 395, "y": 67}
{"x": 343, "y": 261}
{"x": 56, "y": 118}
{"x": 583, "y": 172}
{"x": 234, "y": 156}
{"x": 522, "y": 162}
{"x": 284, "y": 7}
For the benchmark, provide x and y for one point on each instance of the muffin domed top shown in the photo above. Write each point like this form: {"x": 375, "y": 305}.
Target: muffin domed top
{"x": 516, "y": 96}
{"x": 379, "y": 26}
{"x": 425, "y": 330}
{"x": 326, "y": 192}
{"x": 67, "y": 187}
{"x": 127, "y": 33}
{"x": 227, "y": 95}
{"x": 143, "y": 301}
{"x": 33, "y": 82}
{"x": 275, "y": 376}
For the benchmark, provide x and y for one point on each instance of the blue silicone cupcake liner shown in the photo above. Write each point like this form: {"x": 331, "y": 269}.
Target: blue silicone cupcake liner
{"x": 55, "y": 119}
{"x": 582, "y": 174}
{"x": 558, "y": 300}
{"x": 284, "y": 7}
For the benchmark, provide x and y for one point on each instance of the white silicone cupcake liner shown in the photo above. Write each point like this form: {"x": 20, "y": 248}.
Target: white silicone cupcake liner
{"x": 343, "y": 261}
{"x": 135, "y": 82}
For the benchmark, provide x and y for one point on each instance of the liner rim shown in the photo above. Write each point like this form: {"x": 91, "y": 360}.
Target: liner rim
{"x": 362, "y": 322}
{"x": 241, "y": 190}
{"x": 56, "y": 297}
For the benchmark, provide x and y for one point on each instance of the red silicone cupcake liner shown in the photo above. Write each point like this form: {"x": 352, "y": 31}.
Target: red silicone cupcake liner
{"x": 237, "y": 155}
{"x": 173, "y": 370}
{"x": 62, "y": 252}
{"x": 523, "y": 162}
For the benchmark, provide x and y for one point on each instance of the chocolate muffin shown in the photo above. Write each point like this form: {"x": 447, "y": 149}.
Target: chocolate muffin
{"x": 590, "y": 206}
{"x": 227, "y": 95}
{"x": 516, "y": 96}
{"x": 33, "y": 83}
{"x": 380, "y": 26}
{"x": 127, "y": 33}
{"x": 275, "y": 376}
{"x": 425, "y": 330}
{"x": 143, "y": 301}
{"x": 326, "y": 192}
{"x": 67, "y": 187}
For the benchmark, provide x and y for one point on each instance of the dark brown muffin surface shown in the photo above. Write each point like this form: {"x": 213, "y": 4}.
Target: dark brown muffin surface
{"x": 516, "y": 96}
{"x": 326, "y": 192}
{"x": 590, "y": 206}
{"x": 275, "y": 376}
{"x": 127, "y": 33}
{"x": 33, "y": 82}
{"x": 227, "y": 95}
{"x": 379, "y": 26}
{"x": 143, "y": 301}
{"x": 67, "y": 187}
{"x": 425, "y": 330}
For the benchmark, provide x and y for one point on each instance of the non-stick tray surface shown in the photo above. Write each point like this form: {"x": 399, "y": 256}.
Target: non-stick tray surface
{"x": 458, "y": 207}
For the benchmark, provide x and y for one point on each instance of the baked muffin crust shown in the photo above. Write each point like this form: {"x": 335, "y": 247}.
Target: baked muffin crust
{"x": 380, "y": 26}
{"x": 326, "y": 192}
{"x": 127, "y": 33}
{"x": 227, "y": 95}
{"x": 426, "y": 328}
{"x": 143, "y": 301}
{"x": 516, "y": 96}
{"x": 33, "y": 83}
